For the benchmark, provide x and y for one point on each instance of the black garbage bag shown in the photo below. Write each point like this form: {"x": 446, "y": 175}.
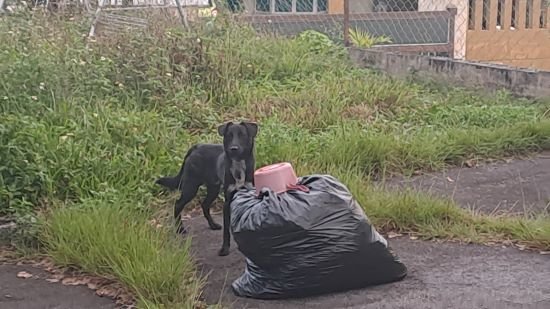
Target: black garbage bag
{"x": 300, "y": 244}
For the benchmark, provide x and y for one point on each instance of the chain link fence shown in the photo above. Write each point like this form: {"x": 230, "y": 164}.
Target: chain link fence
{"x": 426, "y": 26}
{"x": 514, "y": 32}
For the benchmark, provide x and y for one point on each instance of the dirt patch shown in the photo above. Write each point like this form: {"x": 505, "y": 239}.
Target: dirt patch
{"x": 520, "y": 186}
{"x": 35, "y": 292}
{"x": 441, "y": 275}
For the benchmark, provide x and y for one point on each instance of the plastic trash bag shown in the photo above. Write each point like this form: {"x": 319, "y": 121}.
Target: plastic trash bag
{"x": 300, "y": 244}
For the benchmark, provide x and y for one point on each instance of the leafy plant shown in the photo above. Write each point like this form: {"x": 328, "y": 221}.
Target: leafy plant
{"x": 363, "y": 39}
{"x": 318, "y": 42}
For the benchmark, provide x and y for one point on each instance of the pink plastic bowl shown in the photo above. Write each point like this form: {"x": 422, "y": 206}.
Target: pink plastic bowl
{"x": 278, "y": 177}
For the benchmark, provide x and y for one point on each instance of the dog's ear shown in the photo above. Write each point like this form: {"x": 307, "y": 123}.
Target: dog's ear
{"x": 251, "y": 128}
{"x": 223, "y": 128}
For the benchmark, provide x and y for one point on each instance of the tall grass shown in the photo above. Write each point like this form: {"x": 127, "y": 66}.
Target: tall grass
{"x": 86, "y": 126}
{"x": 113, "y": 240}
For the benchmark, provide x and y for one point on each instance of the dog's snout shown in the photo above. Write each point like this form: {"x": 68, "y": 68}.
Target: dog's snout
{"x": 234, "y": 148}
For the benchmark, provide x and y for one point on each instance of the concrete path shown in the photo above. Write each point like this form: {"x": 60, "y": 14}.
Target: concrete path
{"x": 520, "y": 186}
{"x": 37, "y": 293}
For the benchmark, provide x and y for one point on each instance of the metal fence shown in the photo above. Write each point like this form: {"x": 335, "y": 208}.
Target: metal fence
{"x": 511, "y": 32}
{"x": 432, "y": 26}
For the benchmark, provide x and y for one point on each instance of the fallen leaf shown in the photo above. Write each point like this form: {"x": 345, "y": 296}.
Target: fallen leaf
{"x": 58, "y": 277}
{"x": 449, "y": 179}
{"x": 52, "y": 280}
{"x": 46, "y": 265}
{"x": 413, "y": 237}
{"x": 24, "y": 275}
{"x": 470, "y": 163}
{"x": 107, "y": 291}
{"x": 74, "y": 281}
{"x": 125, "y": 299}
{"x": 522, "y": 247}
{"x": 96, "y": 283}
{"x": 393, "y": 235}
{"x": 545, "y": 252}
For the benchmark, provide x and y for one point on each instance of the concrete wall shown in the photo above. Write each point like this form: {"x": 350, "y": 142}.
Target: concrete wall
{"x": 522, "y": 82}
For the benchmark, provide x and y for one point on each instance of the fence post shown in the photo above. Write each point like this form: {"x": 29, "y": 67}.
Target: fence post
{"x": 537, "y": 11}
{"x": 521, "y": 15}
{"x": 451, "y": 37}
{"x": 183, "y": 14}
{"x": 346, "y": 23}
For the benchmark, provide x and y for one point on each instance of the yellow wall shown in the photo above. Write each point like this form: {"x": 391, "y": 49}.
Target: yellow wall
{"x": 355, "y": 6}
{"x": 521, "y": 46}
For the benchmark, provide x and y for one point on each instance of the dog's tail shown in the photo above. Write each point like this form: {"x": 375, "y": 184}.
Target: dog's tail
{"x": 175, "y": 182}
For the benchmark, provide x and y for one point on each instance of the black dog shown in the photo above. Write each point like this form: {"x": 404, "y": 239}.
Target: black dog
{"x": 231, "y": 164}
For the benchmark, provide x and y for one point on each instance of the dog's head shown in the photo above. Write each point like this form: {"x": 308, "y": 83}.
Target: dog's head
{"x": 238, "y": 138}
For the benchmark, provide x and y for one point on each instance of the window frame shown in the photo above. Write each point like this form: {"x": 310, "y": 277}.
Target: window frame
{"x": 292, "y": 10}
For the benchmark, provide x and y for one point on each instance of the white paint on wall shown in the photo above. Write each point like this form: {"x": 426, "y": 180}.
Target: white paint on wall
{"x": 461, "y": 20}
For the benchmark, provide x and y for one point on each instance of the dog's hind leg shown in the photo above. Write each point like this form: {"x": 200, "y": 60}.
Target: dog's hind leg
{"x": 188, "y": 192}
{"x": 212, "y": 192}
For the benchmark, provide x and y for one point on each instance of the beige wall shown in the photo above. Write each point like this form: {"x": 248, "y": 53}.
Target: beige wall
{"x": 355, "y": 6}
{"x": 249, "y": 6}
{"x": 335, "y": 6}
{"x": 517, "y": 46}
{"x": 361, "y": 6}
{"x": 461, "y": 20}
{"x": 528, "y": 48}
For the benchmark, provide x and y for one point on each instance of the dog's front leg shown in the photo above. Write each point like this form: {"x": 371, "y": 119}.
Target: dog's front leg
{"x": 229, "y": 192}
{"x": 249, "y": 172}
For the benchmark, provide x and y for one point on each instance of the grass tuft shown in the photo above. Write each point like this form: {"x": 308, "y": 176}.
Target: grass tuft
{"x": 115, "y": 240}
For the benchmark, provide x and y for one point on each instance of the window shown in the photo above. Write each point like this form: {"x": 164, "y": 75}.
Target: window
{"x": 304, "y": 5}
{"x": 262, "y": 5}
{"x": 291, "y": 6}
{"x": 283, "y": 6}
{"x": 322, "y": 5}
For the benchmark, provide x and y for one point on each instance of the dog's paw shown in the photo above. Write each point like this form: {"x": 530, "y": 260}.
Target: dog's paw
{"x": 215, "y": 226}
{"x": 223, "y": 251}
